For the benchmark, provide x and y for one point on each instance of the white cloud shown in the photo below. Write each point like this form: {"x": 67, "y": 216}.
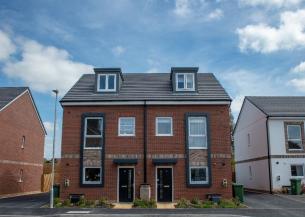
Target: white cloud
{"x": 49, "y": 126}
{"x": 271, "y": 3}
{"x": 266, "y": 39}
{"x": 7, "y": 47}
{"x": 44, "y": 68}
{"x": 215, "y": 15}
{"x": 195, "y": 11}
{"x": 299, "y": 68}
{"x": 152, "y": 70}
{"x": 299, "y": 81}
{"x": 182, "y": 8}
{"x": 118, "y": 50}
{"x": 48, "y": 148}
{"x": 247, "y": 83}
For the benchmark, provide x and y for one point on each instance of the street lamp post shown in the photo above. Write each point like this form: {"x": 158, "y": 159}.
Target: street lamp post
{"x": 53, "y": 160}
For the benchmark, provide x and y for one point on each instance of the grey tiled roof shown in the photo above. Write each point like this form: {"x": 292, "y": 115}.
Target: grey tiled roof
{"x": 280, "y": 105}
{"x": 7, "y": 94}
{"x": 141, "y": 86}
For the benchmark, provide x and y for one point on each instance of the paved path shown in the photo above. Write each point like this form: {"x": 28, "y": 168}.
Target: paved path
{"x": 26, "y": 201}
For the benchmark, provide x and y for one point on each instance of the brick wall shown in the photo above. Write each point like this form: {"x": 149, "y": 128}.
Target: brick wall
{"x": 18, "y": 120}
{"x": 219, "y": 138}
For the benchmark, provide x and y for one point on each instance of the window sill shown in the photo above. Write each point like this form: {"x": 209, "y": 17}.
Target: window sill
{"x": 199, "y": 183}
{"x": 127, "y": 135}
{"x": 92, "y": 148}
{"x": 198, "y": 148}
{"x": 164, "y": 135}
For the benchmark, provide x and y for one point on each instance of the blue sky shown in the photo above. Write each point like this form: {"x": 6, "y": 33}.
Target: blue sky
{"x": 254, "y": 47}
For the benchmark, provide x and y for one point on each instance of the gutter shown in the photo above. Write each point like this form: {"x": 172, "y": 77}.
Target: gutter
{"x": 145, "y": 143}
{"x": 269, "y": 157}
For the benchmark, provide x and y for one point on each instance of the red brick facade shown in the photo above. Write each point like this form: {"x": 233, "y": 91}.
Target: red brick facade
{"x": 219, "y": 131}
{"x": 17, "y": 120}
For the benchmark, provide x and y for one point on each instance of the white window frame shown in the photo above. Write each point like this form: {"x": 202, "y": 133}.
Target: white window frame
{"x": 189, "y": 133}
{"x": 293, "y": 149}
{"x": 92, "y": 136}
{"x": 92, "y": 182}
{"x": 157, "y": 129}
{"x": 106, "y": 85}
{"x": 185, "y": 82}
{"x": 198, "y": 182}
{"x": 302, "y": 165}
{"x": 134, "y": 126}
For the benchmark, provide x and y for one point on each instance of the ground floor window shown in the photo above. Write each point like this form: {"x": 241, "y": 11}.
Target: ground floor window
{"x": 297, "y": 170}
{"x": 198, "y": 175}
{"x": 92, "y": 175}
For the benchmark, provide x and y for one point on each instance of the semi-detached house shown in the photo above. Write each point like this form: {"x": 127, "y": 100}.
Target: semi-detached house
{"x": 269, "y": 142}
{"x": 167, "y": 134}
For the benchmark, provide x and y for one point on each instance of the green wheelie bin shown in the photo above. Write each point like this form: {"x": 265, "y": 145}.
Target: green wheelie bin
{"x": 295, "y": 186}
{"x": 238, "y": 192}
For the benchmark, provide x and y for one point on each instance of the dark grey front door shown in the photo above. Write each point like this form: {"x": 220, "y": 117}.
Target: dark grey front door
{"x": 164, "y": 184}
{"x": 126, "y": 184}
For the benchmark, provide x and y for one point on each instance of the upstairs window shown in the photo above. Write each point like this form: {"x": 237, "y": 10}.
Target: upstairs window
{"x": 185, "y": 82}
{"x": 106, "y": 82}
{"x": 294, "y": 137}
{"x": 164, "y": 126}
{"x": 126, "y": 126}
{"x": 197, "y": 132}
{"x": 93, "y": 135}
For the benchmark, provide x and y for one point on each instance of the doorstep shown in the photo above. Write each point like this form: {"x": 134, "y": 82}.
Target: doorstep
{"x": 122, "y": 205}
{"x": 166, "y": 205}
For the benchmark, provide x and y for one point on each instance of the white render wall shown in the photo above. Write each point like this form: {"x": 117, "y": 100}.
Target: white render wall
{"x": 260, "y": 175}
{"x": 252, "y": 121}
{"x": 281, "y": 167}
{"x": 277, "y": 136}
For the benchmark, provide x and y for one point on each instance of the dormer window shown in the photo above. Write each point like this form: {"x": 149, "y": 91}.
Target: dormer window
{"x": 106, "y": 82}
{"x": 185, "y": 82}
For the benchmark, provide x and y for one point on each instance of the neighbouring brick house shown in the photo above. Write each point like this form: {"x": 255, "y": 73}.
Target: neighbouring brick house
{"x": 162, "y": 136}
{"x": 21, "y": 142}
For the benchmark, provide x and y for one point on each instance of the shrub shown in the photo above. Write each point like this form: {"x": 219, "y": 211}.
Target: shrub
{"x": 104, "y": 203}
{"x": 81, "y": 202}
{"x": 57, "y": 202}
{"x": 225, "y": 203}
{"x": 67, "y": 202}
{"x": 183, "y": 203}
{"x": 208, "y": 204}
{"x": 144, "y": 203}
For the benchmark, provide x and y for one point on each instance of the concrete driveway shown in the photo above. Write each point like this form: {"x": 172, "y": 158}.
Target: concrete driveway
{"x": 269, "y": 201}
{"x": 26, "y": 201}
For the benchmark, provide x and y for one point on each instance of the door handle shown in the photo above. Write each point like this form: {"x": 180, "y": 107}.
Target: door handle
{"x": 165, "y": 186}
{"x": 123, "y": 186}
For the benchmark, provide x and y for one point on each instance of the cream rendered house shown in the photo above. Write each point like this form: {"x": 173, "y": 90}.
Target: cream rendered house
{"x": 269, "y": 142}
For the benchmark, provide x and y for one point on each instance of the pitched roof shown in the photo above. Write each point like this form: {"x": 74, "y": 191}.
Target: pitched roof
{"x": 279, "y": 105}
{"x": 8, "y": 94}
{"x": 140, "y": 86}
